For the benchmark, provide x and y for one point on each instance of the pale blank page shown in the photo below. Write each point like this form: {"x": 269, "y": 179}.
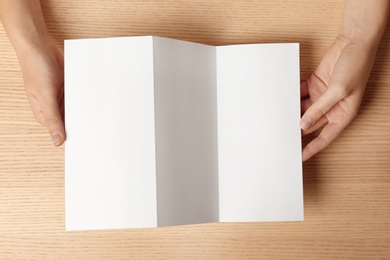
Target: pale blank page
{"x": 259, "y": 144}
{"x": 186, "y": 132}
{"x": 110, "y": 179}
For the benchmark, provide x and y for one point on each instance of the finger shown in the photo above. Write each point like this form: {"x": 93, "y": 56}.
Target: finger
{"x": 327, "y": 135}
{"x": 305, "y": 104}
{"x": 319, "y": 108}
{"x": 304, "y": 89}
{"x": 317, "y": 125}
{"x": 52, "y": 120}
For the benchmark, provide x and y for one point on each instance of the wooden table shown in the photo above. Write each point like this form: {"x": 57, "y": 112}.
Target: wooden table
{"x": 347, "y": 187}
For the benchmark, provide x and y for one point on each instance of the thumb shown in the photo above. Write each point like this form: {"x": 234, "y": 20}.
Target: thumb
{"x": 320, "y": 107}
{"x": 52, "y": 120}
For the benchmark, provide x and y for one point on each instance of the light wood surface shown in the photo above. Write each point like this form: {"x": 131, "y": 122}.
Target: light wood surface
{"x": 347, "y": 187}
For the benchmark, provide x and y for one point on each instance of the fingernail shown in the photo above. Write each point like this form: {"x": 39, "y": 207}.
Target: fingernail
{"x": 56, "y": 138}
{"x": 306, "y": 124}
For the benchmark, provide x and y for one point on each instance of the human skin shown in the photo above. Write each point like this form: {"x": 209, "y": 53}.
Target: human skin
{"x": 41, "y": 63}
{"x": 331, "y": 96}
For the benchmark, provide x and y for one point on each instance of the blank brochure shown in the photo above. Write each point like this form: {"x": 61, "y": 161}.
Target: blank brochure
{"x": 166, "y": 132}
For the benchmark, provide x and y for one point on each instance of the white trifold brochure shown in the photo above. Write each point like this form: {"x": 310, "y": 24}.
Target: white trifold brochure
{"x": 166, "y": 132}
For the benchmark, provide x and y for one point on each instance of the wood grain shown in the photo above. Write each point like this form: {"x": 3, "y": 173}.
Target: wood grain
{"x": 347, "y": 187}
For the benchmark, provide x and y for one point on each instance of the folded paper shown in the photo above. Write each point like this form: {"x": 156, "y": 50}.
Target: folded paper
{"x": 167, "y": 132}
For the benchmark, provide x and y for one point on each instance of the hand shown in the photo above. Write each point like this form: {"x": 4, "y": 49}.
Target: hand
{"x": 332, "y": 95}
{"x": 43, "y": 73}
{"x": 41, "y": 63}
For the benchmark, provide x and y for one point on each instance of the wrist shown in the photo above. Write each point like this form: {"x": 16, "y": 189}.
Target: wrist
{"x": 364, "y": 22}
{"x": 25, "y": 26}
{"x": 368, "y": 38}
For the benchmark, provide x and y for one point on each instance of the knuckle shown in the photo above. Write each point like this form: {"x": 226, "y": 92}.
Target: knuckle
{"x": 322, "y": 143}
{"x": 50, "y": 120}
{"x": 341, "y": 91}
{"x": 317, "y": 113}
{"x": 350, "y": 115}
